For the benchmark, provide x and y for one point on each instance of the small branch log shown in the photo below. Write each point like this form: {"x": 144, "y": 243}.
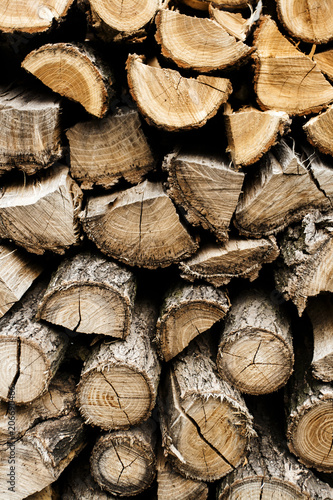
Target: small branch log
{"x": 89, "y": 294}
{"x": 139, "y": 226}
{"x": 73, "y": 71}
{"x": 123, "y": 462}
{"x": 236, "y": 259}
{"x": 119, "y": 380}
{"x": 206, "y": 187}
{"x": 319, "y": 131}
{"x": 104, "y": 151}
{"x": 42, "y": 213}
{"x": 204, "y": 421}
{"x": 255, "y": 353}
{"x": 169, "y": 101}
{"x": 324, "y": 62}
{"x": 319, "y": 309}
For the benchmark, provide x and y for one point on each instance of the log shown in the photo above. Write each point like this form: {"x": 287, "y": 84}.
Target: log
{"x": 30, "y": 352}
{"x": 205, "y": 424}
{"x": 139, "y": 227}
{"x": 104, "y": 151}
{"x": 90, "y": 294}
{"x": 74, "y": 71}
{"x": 285, "y": 78}
{"x": 238, "y": 258}
{"x": 255, "y": 353}
{"x": 187, "y": 311}
{"x": 198, "y": 43}
{"x": 170, "y": 101}
{"x": 41, "y": 213}
{"x": 233, "y": 22}
{"x": 319, "y": 131}
{"x": 30, "y": 129}
{"x": 119, "y": 380}
{"x": 206, "y": 187}
{"x": 124, "y": 462}
{"x": 324, "y": 62}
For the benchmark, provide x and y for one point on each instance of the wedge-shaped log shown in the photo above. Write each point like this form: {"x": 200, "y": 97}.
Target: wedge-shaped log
{"x": 238, "y": 258}
{"x": 206, "y": 186}
{"x": 198, "y": 43}
{"x": 206, "y": 427}
{"x": 324, "y": 62}
{"x": 75, "y": 72}
{"x": 187, "y": 311}
{"x": 90, "y": 294}
{"x": 124, "y": 462}
{"x": 319, "y": 309}
{"x": 169, "y": 101}
{"x": 285, "y": 78}
{"x": 104, "y": 151}
{"x": 233, "y": 22}
{"x": 119, "y": 380}
{"x": 255, "y": 353}
{"x": 41, "y": 213}
{"x": 139, "y": 226}
{"x": 319, "y": 131}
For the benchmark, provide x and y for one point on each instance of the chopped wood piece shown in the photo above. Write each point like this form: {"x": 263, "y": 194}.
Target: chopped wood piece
{"x": 89, "y": 294}
{"x": 119, "y": 380}
{"x": 139, "y": 226}
{"x": 285, "y": 78}
{"x": 319, "y": 131}
{"x": 204, "y": 422}
{"x": 169, "y": 101}
{"x": 324, "y": 61}
{"x": 41, "y": 213}
{"x": 187, "y": 311}
{"x": 251, "y": 133}
{"x": 307, "y": 20}
{"x": 30, "y": 129}
{"x": 30, "y": 352}
{"x": 320, "y": 311}
{"x": 73, "y": 71}
{"x": 198, "y": 43}
{"x": 233, "y": 22}
{"x": 123, "y": 462}
{"x": 221, "y": 4}
{"x": 31, "y": 16}
{"x": 79, "y": 484}
{"x": 104, "y": 151}
{"x": 255, "y": 353}
{"x": 207, "y": 187}
{"x": 238, "y": 258}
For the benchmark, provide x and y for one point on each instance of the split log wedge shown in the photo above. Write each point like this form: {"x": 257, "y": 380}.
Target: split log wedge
{"x": 90, "y": 294}
{"x": 233, "y": 22}
{"x": 139, "y": 226}
{"x": 41, "y": 213}
{"x": 205, "y": 425}
{"x": 319, "y": 131}
{"x": 168, "y": 100}
{"x": 320, "y": 311}
{"x": 207, "y": 187}
{"x": 285, "y": 78}
{"x": 255, "y": 353}
{"x": 238, "y": 258}
{"x": 75, "y": 72}
{"x": 324, "y": 62}
{"x": 104, "y": 151}
{"x": 198, "y": 43}
{"x": 220, "y": 4}
{"x": 119, "y": 380}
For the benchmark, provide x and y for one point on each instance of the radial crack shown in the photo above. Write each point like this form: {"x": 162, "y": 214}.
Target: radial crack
{"x": 118, "y": 397}
{"x": 18, "y": 368}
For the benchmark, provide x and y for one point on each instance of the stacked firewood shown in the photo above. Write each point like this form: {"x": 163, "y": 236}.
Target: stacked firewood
{"x": 166, "y": 311}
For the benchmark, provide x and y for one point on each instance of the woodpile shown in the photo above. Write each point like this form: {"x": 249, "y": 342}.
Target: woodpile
{"x": 166, "y": 251}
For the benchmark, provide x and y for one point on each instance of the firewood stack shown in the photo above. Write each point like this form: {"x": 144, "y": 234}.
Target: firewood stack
{"x": 166, "y": 253}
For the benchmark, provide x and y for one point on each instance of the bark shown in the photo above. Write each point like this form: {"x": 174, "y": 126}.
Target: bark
{"x": 80, "y": 485}
{"x": 90, "y": 294}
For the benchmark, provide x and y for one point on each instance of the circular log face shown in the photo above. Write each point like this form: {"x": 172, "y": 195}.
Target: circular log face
{"x": 263, "y": 488}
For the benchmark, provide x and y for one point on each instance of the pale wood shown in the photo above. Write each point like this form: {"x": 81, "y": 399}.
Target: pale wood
{"x": 73, "y": 71}
{"x": 233, "y": 22}
{"x": 251, "y": 133}
{"x": 319, "y": 131}
{"x": 104, "y": 151}
{"x": 221, "y": 4}
{"x": 124, "y": 462}
{"x": 206, "y": 427}
{"x": 187, "y": 311}
{"x": 30, "y": 352}
{"x": 30, "y": 129}
{"x": 320, "y": 311}
{"x": 285, "y": 78}
{"x": 119, "y": 379}
{"x": 168, "y": 100}
{"x": 41, "y": 213}
{"x": 90, "y": 294}
{"x": 324, "y": 61}
{"x": 206, "y": 186}
{"x": 198, "y": 43}
{"x": 238, "y": 258}
{"x": 255, "y": 353}
{"x": 138, "y": 226}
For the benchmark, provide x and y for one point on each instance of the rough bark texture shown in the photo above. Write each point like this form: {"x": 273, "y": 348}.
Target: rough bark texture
{"x": 81, "y": 486}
